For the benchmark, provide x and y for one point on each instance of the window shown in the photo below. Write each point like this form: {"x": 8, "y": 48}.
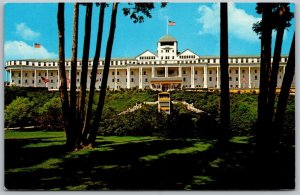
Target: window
{"x": 146, "y": 80}
{"x": 210, "y": 79}
{"x": 236, "y": 71}
{"x": 45, "y": 74}
{"x": 118, "y": 73}
{"x": 184, "y": 79}
{"x": 32, "y": 81}
{"x": 39, "y": 81}
{"x": 118, "y": 80}
{"x": 51, "y": 81}
{"x": 113, "y": 73}
{"x": 13, "y": 74}
{"x": 51, "y": 73}
{"x": 131, "y": 72}
{"x": 19, "y": 74}
{"x": 184, "y": 72}
{"x": 255, "y": 77}
{"x": 19, "y": 82}
{"x": 25, "y": 80}
{"x": 25, "y": 74}
{"x": 237, "y": 79}
{"x": 210, "y": 72}
{"x": 243, "y": 71}
{"x": 196, "y": 72}
{"x": 113, "y": 80}
{"x": 132, "y": 80}
{"x": 230, "y": 79}
{"x": 33, "y": 74}
{"x": 255, "y": 71}
{"x": 229, "y": 71}
{"x": 144, "y": 72}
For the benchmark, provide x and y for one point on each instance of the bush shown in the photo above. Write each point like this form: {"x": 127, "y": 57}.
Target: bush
{"x": 50, "y": 115}
{"x": 18, "y": 113}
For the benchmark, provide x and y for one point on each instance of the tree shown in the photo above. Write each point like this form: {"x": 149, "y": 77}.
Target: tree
{"x": 74, "y": 69}
{"x": 282, "y": 17}
{"x": 275, "y": 16}
{"x": 70, "y": 144}
{"x": 85, "y": 63}
{"x": 225, "y": 103}
{"x": 86, "y": 125}
{"x": 77, "y": 135}
{"x": 285, "y": 89}
{"x": 264, "y": 29}
{"x": 109, "y": 45}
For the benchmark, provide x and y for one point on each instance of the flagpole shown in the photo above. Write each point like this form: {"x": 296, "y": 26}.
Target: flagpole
{"x": 167, "y": 26}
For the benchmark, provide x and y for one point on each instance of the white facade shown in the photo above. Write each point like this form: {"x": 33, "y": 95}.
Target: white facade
{"x": 163, "y": 70}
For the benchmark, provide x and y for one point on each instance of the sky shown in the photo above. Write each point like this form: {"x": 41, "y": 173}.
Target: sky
{"x": 197, "y": 29}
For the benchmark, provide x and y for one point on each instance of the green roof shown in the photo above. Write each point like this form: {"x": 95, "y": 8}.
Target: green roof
{"x": 167, "y": 38}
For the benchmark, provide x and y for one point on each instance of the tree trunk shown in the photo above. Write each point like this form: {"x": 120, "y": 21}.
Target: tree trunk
{"x": 110, "y": 41}
{"x": 274, "y": 72}
{"x": 285, "y": 88}
{"x": 86, "y": 125}
{"x": 74, "y": 71}
{"x": 225, "y": 103}
{"x": 62, "y": 74}
{"x": 84, "y": 68}
{"x": 262, "y": 129}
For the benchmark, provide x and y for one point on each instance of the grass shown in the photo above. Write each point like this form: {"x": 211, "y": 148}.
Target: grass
{"x": 36, "y": 160}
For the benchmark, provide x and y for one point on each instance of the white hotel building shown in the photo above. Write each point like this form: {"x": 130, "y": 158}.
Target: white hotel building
{"x": 167, "y": 68}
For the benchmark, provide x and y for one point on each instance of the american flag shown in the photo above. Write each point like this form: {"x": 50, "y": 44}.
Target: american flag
{"x": 172, "y": 23}
{"x": 37, "y": 45}
{"x": 45, "y": 80}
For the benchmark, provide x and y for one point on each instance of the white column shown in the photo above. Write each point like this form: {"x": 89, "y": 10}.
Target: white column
{"x": 218, "y": 85}
{"x": 34, "y": 77}
{"x": 47, "y": 78}
{"x": 249, "y": 84}
{"x": 140, "y": 78}
{"x": 10, "y": 77}
{"x": 192, "y": 77}
{"x": 239, "y": 76}
{"x": 152, "y": 71}
{"x": 128, "y": 77}
{"x": 180, "y": 71}
{"x": 205, "y": 77}
{"x": 116, "y": 78}
{"x": 21, "y": 76}
{"x": 166, "y": 71}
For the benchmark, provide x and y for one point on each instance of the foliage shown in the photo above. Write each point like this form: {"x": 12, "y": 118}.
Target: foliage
{"x": 18, "y": 113}
{"x": 50, "y": 115}
{"x": 134, "y": 10}
{"x": 277, "y": 16}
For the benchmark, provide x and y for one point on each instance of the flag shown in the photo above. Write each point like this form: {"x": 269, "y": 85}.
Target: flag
{"x": 45, "y": 80}
{"x": 37, "y": 45}
{"x": 172, "y": 23}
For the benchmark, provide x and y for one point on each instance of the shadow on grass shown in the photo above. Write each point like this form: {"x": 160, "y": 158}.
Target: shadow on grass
{"x": 146, "y": 164}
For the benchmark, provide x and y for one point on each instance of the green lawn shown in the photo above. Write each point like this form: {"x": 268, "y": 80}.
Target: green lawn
{"x": 36, "y": 160}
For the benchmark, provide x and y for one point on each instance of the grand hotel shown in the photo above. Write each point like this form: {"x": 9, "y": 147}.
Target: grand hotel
{"x": 165, "y": 69}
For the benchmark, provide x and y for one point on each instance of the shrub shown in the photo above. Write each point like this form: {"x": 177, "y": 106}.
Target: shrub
{"x": 18, "y": 113}
{"x": 50, "y": 115}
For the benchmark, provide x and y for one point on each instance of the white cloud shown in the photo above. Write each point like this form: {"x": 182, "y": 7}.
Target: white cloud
{"x": 239, "y": 22}
{"x": 25, "y": 32}
{"x": 21, "y": 50}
